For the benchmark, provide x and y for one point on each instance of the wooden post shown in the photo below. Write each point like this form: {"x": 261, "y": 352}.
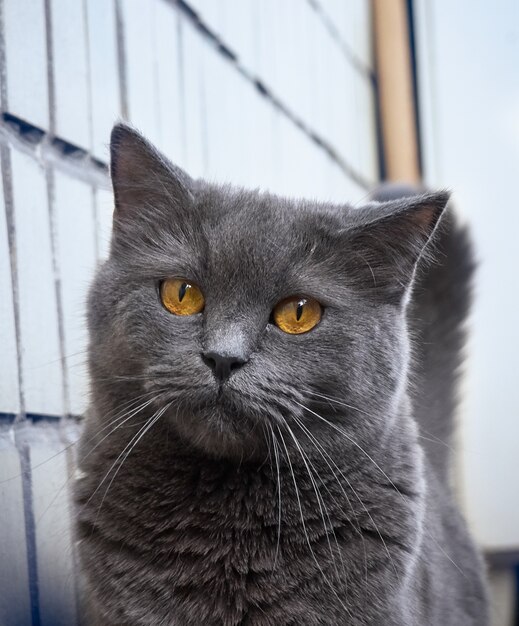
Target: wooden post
{"x": 395, "y": 83}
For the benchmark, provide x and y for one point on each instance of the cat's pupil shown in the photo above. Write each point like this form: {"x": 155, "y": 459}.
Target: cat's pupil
{"x": 182, "y": 291}
{"x": 299, "y": 310}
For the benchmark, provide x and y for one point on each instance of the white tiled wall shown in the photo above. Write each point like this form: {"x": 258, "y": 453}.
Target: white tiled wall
{"x": 40, "y": 351}
{"x": 70, "y": 72}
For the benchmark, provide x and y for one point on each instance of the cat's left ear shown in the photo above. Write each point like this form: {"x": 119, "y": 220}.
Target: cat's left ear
{"x": 143, "y": 179}
{"x": 388, "y": 239}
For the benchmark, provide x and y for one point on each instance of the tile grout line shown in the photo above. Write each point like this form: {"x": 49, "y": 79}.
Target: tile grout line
{"x": 51, "y": 188}
{"x": 50, "y": 68}
{"x": 30, "y": 528}
{"x": 7, "y": 181}
{"x": 46, "y": 151}
{"x": 11, "y": 235}
{"x": 346, "y": 49}
{"x": 93, "y": 188}
{"x": 182, "y": 85}
{"x": 3, "y": 64}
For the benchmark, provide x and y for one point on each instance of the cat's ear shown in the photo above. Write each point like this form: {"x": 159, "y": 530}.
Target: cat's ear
{"x": 142, "y": 177}
{"x": 389, "y": 238}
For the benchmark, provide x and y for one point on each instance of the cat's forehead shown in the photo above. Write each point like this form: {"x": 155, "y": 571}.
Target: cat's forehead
{"x": 259, "y": 243}
{"x": 238, "y": 221}
{"x": 250, "y": 239}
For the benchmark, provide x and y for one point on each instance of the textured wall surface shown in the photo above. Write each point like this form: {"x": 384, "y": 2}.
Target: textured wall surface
{"x": 271, "y": 93}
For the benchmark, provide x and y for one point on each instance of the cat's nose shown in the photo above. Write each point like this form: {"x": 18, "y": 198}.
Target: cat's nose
{"x": 223, "y": 364}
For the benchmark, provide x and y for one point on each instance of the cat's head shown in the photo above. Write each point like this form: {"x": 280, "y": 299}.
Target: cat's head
{"x": 241, "y": 311}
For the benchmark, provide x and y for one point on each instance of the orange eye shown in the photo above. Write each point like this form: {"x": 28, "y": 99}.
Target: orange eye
{"x": 181, "y": 297}
{"x": 297, "y": 314}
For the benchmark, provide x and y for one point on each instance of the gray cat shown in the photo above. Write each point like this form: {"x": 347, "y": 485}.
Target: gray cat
{"x": 272, "y": 381}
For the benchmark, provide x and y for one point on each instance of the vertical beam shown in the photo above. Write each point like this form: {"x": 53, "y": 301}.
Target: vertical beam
{"x": 17, "y": 593}
{"x": 394, "y": 73}
{"x": 11, "y": 384}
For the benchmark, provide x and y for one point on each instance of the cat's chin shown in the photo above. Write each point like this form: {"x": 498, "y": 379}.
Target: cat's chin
{"x": 222, "y": 442}
{"x": 220, "y": 430}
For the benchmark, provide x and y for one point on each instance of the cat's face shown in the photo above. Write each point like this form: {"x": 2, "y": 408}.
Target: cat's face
{"x": 227, "y": 372}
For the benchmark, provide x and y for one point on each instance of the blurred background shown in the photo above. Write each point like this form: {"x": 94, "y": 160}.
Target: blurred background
{"x": 316, "y": 98}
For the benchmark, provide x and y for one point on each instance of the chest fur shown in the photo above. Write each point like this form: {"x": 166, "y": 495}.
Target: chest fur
{"x": 237, "y": 544}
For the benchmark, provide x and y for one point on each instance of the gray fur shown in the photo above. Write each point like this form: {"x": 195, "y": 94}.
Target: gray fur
{"x": 187, "y": 529}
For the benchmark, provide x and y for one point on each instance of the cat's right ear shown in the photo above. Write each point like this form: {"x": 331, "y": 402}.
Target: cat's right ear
{"x": 143, "y": 179}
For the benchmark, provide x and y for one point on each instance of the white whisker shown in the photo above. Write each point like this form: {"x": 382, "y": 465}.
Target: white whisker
{"x": 323, "y": 452}
{"x": 120, "y": 455}
{"x": 320, "y": 500}
{"x": 278, "y": 489}
{"x": 156, "y": 416}
{"x": 357, "y": 495}
{"x": 125, "y": 417}
{"x": 357, "y": 445}
{"x": 325, "y": 578}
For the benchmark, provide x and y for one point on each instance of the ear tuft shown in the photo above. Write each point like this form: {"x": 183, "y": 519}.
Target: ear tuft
{"x": 411, "y": 216}
{"x": 389, "y": 238}
{"x": 426, "y": 210}
{"x": 427, "y": 206}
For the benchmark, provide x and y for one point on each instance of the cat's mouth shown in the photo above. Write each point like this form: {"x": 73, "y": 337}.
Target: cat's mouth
{"x": 234, "y": 416}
